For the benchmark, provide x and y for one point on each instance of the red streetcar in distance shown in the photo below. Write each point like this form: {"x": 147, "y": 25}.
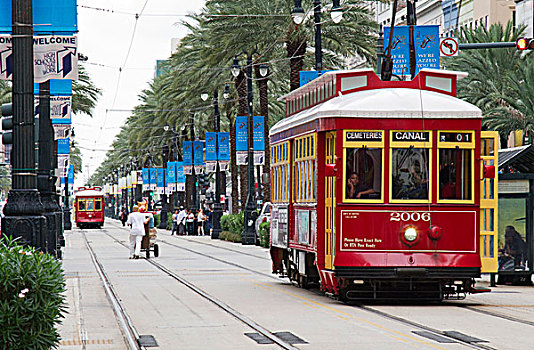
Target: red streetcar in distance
{"x": 89, "y": 207}
{"x": 383, "y": 189}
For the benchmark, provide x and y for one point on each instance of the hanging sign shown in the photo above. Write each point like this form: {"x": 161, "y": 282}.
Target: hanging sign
{"x": 188, "y": 157}
{"x": 198, "y": 158}
{"x": 54, "y": 57}
{"x": 62, "y": 131}
{"x": 60, "y": 109}
{"x": 63, "y": 164}
{"x": 426, "y": 40}
{"x": 224, "y": 150}
{"x": 180, "y": 177}
{"x": 153, "y": 179}
{"x": 211, "y": 152}
{"x": 145, "y": 179}
{"x": 160, "y": 180}
{"x": 49, "y": 16}
{"x": 170, "y": 177}
{"x": 258, "y": 140}
{"x": 135, "y": 180}
{"x": 63, "y": 146}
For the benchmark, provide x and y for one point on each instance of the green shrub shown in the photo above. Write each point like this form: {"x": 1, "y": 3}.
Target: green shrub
{"x": 157, "y": 220}
{"x": 230, "y": 236}
{"x": 265, "y": 234}
{"x": 169, "y": 220}
{"x": 31, "y": 300}
{"x": 225, "y": 223}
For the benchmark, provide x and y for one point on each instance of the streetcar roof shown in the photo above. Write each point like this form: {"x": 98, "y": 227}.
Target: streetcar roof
{"x": 88, "y": 193}
{"x": 384, "y": 103}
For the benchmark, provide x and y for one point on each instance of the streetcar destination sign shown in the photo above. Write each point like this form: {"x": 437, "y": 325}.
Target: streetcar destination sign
{"x": 455, "y": 137}
{"x": 403, "y": 136}
{"x": 363, "y": 136}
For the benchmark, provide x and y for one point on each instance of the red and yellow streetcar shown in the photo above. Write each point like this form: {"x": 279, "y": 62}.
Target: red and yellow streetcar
{"x": 383, "y": 189}
{"x": 89, "y": 207}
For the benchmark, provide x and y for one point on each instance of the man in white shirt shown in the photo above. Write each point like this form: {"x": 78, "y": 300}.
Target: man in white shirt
{"x": 181, "y": 221}
{"x": 136, "y": 221}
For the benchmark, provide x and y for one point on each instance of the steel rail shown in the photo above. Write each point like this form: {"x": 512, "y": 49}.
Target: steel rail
{"x": 128, "y": 328}
{"x": 228, "y": 309}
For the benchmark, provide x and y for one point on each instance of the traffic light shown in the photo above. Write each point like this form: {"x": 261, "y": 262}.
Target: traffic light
{"x": 525, "y": 44}
{"x": 7, "y": 123}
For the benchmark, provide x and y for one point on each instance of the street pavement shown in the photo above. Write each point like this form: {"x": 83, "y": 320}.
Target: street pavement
{"x": 239, "y": 278}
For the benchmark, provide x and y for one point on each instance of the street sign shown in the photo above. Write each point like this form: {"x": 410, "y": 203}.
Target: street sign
{"x": 426, "y": 48}
{"x": 54, "y": 57}
{"x": 448, "y": 47}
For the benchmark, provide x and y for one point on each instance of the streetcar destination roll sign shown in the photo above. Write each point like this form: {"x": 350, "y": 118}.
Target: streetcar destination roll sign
{"x": 352, "y": 136}
{"x": 406, "y": 136}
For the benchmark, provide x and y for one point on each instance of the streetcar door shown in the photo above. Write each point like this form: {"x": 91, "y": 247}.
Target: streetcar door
{"x": 330, "y": 202}
{"x": 489, "y": 141}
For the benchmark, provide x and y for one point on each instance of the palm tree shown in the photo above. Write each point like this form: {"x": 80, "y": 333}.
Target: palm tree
{"x": 490, "y": 70}
{"x": 84, "y": 93}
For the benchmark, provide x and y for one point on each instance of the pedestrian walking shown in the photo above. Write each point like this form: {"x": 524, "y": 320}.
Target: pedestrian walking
{"x": 181, "y": 221}
{"x": 123, "y": 216}
{"x": 136, "y": 221}
{"x": 174, "y": 223}
{"x": 190, "y": 223}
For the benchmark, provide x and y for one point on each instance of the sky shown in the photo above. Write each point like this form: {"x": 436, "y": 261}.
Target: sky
{"x": 106, "y": 29}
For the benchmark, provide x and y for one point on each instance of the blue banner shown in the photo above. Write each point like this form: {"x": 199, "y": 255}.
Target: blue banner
{"x": 71, "y": 174}
{"x": 180, "y": 177}
{"x": 241, "y": 133}
{"x": 224, "y": 146}
{"x": 308, "y": 75}
{"x": 426, "y": 40}
{"x": 58, "y": 87}
{"x": 211, "y": 146}
{"x": 199, "y": 153}
{"x": 153, "y": 175}
{"x": 259, "y": 133}
{"x": 63, "y": 146}
{"x": 160, "y": 177}
{"x": 49, "y": 16}
{"x": 170, "y": 176}
{"x": 146, "y": 176}
{"x": 188, "y": 153}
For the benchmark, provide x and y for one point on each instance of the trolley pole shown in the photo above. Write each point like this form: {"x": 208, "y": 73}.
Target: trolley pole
{"x": 249, "y": 234}
{"x": 217, "y": 206}
{"x": 318, "y": 43}
{"x": 194, "y": 194}
{"x": 24, "y": 210}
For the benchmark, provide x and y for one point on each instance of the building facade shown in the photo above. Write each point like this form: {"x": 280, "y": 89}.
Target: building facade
{"x": 524, "y": 15}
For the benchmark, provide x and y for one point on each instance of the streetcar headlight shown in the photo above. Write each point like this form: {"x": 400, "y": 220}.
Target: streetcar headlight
{"x": 410, "y": 234}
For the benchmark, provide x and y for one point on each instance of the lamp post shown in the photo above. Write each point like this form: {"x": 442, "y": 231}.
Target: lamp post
{"x": 249, "y": 234}
{"x": 298, "y": 17}
{"x": 217, "y": 205}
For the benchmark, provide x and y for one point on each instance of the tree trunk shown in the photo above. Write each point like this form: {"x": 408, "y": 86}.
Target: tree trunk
{"x": 241, "y": 87}
{"x": 264, "y": 110}
{"x": 296, "y": 49}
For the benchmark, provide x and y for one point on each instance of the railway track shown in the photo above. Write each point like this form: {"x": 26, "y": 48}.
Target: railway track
{"x": 436, "y": 333}
{"x": 129, "y": 329}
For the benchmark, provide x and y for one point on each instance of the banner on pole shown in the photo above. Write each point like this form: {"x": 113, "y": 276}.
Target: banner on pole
{"x": 153, "y": 179}
{"x": 62, "y": 131}
{"x": 180, "y": 177}
{"x": 63, "y": 146}
{"x": 211, "y": 146}
{"x": 188, "y": 152}
{"x": 54, "y": 57}
{"x": 198, "y": 159}
{"x": 241, "y": 133}
{"x": 160, "y": 180}
{"x": 60, "y": 109}
{"x": 224, "y": 146}
{"x": 145, "y": 177}
{"x": 170, "y": 177}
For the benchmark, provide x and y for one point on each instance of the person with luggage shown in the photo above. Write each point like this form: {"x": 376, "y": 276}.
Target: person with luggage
{"x": 136, "y": 221}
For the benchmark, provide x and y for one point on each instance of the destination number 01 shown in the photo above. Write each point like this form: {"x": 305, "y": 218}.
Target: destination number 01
{"x": 409, "y": 216}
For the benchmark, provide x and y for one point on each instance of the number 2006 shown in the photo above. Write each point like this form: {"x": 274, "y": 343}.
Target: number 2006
{"x": 409, "y": 216}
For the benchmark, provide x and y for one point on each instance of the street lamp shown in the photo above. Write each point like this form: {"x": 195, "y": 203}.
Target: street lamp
{"x": 298, "y": 17}
{"x": 249, "y": 235}
{"x": 217, "y": 206}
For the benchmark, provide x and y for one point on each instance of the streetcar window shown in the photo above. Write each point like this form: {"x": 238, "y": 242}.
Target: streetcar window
{"x": 89, "y": 205}
{"x": 410, "y": 173}
{"x": 81, "y": 205}
{"x": 98, "y": 205}
{"x": 455, "y": 174}
{"x": 363, "y": 173}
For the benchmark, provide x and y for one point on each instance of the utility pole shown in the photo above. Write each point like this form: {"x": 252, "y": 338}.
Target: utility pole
{"x": 24, "y": 209}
